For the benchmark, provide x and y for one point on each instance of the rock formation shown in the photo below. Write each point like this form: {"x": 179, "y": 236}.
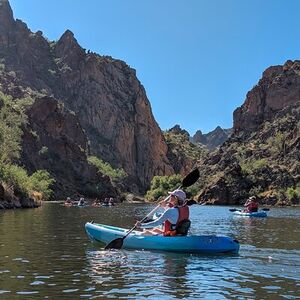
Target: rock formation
{"x": 262, "y": 155}
{"x": 182, "y": 153}
{"x": 108, "y": 100}
{"x": 212, "y": 139}
{"x": 278, "y": 88}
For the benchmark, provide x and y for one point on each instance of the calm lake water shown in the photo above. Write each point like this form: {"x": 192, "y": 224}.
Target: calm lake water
{"x": 45, "y": 254}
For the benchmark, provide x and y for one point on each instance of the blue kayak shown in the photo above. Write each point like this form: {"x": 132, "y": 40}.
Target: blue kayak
{"x": 208, "y": 244}
{"x": 258, "y": 214}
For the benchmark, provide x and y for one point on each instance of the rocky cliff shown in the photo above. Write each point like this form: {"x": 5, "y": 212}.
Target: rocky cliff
{"x": 182, "y": 153}
{"x": 54, "y": 140}
{"x": 278, "y": 88}
{"x": 262, "y": 155}
{"x": 212, "y": 139}
{"x": 113, "y": 115}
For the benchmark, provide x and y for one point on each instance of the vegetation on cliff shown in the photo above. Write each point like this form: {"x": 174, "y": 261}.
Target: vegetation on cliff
{"x": 12, "y": 176}
{"x": 161, "y": 185}
{"x": 181, "y": 152}
{"x": 264, "y": 162}
{"x": 106, "y": 169}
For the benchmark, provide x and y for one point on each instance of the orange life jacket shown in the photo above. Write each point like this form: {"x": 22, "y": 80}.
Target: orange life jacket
{"x": 169, "y": 228}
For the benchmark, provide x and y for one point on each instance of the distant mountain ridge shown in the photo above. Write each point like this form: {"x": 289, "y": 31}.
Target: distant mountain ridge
{"x": 210, "y": 140}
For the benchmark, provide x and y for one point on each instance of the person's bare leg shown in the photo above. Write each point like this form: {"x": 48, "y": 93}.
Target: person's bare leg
{"x": 154, "y": 231}
{"x": 147, "y": 232}
{"x": 157, "y": 231}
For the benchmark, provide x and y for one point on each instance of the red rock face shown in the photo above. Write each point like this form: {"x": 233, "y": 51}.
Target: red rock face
{"x": 54, "y": 140}
{"x": 6, "y": 21}
{"x": 278, "y": 88}
{"x": 104, "y": 93}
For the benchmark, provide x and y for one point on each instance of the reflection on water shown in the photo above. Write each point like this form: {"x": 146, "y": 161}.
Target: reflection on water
{"x": 45, "y": 253}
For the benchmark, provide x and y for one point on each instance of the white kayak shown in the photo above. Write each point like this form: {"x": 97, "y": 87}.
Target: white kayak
{"x": 258, "y": 214}
{"x": 208, "y": 244}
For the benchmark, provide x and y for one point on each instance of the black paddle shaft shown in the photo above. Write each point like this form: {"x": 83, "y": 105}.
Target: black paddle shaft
{"x": 190, "y": 179}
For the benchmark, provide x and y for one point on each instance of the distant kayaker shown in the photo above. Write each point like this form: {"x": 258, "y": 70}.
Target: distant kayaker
{"x": 81, "y": 202}
{"x": 175, "y": 219}
{"x": 96, "y": 202}
{"x": 111, "y": 202}
{"x": 251, "y": 205}
{"x": 68, "y": 202}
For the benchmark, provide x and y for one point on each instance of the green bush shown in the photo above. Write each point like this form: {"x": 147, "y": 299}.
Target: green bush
{"x": 106, "y": 169}
{"x": 17, "y": 177}
{"x": 252, "y": 165}
{"x": 161, "y": 185}
{"x": 40, "y": 181}
{"x": 293, "y": 194}
{"x": 43, "y": 151}
{"x": 259, "y": 164}
{"x": 277, "y": 143}
{"x": 12, "y": 117}
{"x": 180, "y": 145}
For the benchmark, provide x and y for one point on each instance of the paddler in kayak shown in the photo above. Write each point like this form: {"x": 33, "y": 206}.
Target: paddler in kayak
{"x": 251, "y": 205}
{"x": 175, "y": 219}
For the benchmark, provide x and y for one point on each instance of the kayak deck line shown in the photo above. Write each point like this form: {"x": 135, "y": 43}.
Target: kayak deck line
{"x": 211, "y": 244}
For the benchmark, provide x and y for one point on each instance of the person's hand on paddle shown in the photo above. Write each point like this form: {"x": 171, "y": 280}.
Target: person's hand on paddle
{"x": 138, "y": 224}
{"x": 162, "y": 203}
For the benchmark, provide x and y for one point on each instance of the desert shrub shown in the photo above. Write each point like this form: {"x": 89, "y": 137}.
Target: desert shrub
{"x": 44, "y": 151}
{"x": 180, "y": 145}
{"x": 52, "y": 72}
{"x": 12, "y": 116}
{"x": 106, "y": 169}
{"x": 256, "y": 190}
{"x": 12, "y": 74}
{"x": 298, "y": 128}
{"x": 259, "y": 164}
{"x": 40, "y": 181}
{"x": 276, "y": 143}
{"x": 293, "y": 194}
{"x": 161, "y": 185}
{"x": 252, "y": 165}
{"x": 192, "y": 191}
{"x": 34, "y": 134}
{"x": 16, "y": 176}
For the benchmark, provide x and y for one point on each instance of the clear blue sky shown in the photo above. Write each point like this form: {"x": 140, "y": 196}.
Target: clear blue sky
{"x": 197, "y": 59}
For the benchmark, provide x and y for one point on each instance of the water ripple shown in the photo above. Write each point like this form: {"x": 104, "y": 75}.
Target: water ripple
{"x": 47, "y": 250}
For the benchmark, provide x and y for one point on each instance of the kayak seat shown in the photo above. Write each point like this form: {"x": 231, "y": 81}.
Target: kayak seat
{"x": 183, "y": 227}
